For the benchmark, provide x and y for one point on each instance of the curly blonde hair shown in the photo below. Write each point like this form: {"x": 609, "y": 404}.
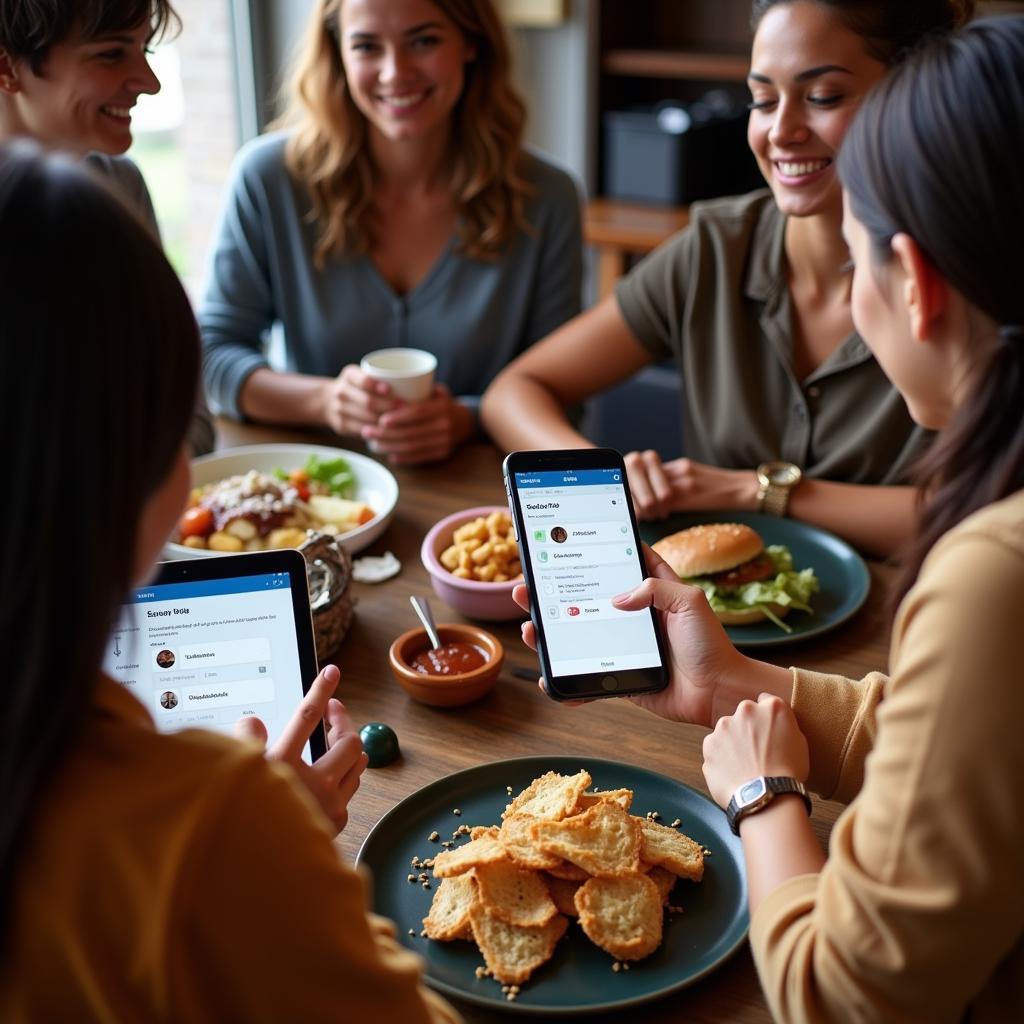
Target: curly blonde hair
{"x": 328, "y": 153}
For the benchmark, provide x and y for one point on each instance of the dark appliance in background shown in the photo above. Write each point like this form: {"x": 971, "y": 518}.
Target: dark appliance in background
{"x": 675, "y": 153}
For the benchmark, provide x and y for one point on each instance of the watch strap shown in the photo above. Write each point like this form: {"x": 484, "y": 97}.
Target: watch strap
{"x": 775, "y": 785}
{"x": 773, "y": 499}
{"x": 776, "y": 481}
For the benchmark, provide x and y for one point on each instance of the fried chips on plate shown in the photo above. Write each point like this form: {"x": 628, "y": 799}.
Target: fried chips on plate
{"x": 561, "y": 851}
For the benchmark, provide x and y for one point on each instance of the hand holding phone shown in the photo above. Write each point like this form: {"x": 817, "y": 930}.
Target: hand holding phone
{"x": 701, "y": 657}
{"x": 579, "y": 546}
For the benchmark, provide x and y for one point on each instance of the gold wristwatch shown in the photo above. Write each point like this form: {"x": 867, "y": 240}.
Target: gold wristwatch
{"x": 776, "y": 481}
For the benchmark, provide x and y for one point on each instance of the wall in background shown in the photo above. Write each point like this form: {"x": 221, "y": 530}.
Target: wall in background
{"x": 550, "y": 72}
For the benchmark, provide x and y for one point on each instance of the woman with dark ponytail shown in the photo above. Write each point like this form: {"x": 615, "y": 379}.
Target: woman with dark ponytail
{"x": 917, "y": 912}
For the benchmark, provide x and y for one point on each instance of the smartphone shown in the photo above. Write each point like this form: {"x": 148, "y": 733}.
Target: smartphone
{"x": 579, "y": 547}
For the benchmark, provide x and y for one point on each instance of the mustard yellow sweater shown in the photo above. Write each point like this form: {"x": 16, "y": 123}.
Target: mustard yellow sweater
{"x": 918, "y": 914}
{"x": 185, "y": 878}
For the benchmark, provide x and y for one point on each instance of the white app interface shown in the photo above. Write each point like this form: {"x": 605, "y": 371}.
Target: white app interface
{"x": 206, "y": 653}
{"x": 579, "y": 541}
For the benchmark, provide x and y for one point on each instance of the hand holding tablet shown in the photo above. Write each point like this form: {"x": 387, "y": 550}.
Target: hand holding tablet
{"x": 226, "y": 643}
{"x": 334, "y": 778}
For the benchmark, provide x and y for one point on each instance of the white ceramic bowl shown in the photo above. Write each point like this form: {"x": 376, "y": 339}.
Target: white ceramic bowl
{"x": 374, "y": 484}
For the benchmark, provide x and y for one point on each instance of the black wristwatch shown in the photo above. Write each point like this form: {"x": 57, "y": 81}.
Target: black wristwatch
{"x": 756, "y": 794}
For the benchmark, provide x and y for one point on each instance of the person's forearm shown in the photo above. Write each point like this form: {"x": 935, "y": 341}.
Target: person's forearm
{"x": 293, "y": 398}
{"x": 877, "y": 520}
{"x": 778, "y": 844}
{"x": 521, "y": 413}
{"x": 746, "y": 679}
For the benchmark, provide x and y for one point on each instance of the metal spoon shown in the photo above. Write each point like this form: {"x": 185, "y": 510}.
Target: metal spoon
{"x": 423, "y": 611}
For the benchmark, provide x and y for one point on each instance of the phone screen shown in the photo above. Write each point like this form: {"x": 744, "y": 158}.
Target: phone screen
{"x": 579, "y": 540}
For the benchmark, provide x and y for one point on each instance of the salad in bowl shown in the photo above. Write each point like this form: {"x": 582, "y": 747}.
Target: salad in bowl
{"x": 271, "y": 496}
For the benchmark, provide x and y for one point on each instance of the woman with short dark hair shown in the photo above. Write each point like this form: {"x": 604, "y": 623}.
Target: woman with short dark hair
{"x": 69, "y": 77}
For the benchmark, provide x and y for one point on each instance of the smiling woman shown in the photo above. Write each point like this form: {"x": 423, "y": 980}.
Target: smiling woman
{"x": 70, "y": 76}
{"x": 784, "y": 408}
{"x": 397, "y": 209}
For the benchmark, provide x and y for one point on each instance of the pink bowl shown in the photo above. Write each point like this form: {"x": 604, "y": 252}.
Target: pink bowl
{"x": 489, "y": 601}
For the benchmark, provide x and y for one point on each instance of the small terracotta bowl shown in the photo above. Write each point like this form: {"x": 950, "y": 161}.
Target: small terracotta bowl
{"x": 446, "y": 691}
{"x": 476, "y": 600}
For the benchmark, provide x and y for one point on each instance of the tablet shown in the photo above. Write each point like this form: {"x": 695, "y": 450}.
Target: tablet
{"x": 211, "y": 640}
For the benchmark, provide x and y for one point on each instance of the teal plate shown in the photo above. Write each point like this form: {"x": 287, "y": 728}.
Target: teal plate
{"x": 579, "y": 978}
{"x": 844, "y": 578}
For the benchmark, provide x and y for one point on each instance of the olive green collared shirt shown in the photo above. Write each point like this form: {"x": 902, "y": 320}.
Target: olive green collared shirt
{"x": 714, "y": 299}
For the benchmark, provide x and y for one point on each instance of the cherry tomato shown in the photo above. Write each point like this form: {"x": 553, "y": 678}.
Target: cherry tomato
{"x": 299, "y": 479}
{"x": 196, "y": 522}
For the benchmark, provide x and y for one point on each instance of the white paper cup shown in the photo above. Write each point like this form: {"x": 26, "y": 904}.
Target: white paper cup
{"x": 408, "y": 371}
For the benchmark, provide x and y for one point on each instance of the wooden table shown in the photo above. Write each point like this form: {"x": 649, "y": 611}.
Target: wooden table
{"x": 516, "y": 719}
{"x": 619, "y": 230}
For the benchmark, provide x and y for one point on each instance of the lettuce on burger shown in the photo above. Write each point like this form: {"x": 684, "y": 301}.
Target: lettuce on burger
{"x": 744, "y": 581}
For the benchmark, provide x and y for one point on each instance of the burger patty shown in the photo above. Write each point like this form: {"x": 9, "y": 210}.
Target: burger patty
{"x": 760, "y": 567}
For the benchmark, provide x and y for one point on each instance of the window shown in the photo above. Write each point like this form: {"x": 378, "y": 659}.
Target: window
{"x": 186, "y": 135}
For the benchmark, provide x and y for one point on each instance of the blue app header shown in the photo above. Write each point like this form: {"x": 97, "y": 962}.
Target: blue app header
{"x": 211, "y": 588}
{"x": 569, "y": 478}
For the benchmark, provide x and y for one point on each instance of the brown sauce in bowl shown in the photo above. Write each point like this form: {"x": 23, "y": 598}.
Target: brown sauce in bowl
{"x": 449, "y": 660}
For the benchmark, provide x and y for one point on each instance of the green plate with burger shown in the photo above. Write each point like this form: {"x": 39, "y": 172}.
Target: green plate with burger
{"x": 771, "y": 583}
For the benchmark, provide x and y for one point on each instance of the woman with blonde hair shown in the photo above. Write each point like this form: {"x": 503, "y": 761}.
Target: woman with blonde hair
{"x": 399, "y": 208}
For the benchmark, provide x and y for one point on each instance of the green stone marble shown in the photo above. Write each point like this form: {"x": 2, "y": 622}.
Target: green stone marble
{"x": 380, "y": 744}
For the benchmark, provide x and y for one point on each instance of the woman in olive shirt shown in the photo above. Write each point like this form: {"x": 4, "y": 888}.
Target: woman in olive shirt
{"x": 753, "y": 302}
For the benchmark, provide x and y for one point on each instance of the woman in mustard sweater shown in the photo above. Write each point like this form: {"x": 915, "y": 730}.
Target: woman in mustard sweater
{"x": 143, "y": 876}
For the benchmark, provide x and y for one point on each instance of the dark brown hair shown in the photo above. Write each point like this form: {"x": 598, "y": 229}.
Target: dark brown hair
{"x": 889, "y": 28}
{"x": 30, "y": 28}
{"x": 951, "y": 120}
{"x": 101, "y": 362}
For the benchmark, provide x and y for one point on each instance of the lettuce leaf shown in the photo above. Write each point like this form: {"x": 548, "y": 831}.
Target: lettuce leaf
{"x": 788, "y": 588}
{"x": 335, "y": 473}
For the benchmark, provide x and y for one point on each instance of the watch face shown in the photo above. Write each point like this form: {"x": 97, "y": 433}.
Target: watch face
{"x": 751, "y": 791}
{"x": 784, "y": 474}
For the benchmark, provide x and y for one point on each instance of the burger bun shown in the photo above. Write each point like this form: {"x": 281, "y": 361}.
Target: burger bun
{"x": 709, "y": 548}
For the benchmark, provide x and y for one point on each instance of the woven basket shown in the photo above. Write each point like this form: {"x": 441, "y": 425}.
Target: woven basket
{"x": 329, "y": 574}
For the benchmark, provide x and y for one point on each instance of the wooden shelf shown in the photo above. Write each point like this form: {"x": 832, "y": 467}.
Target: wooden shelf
{"x": 635, "y": 227}
{"x": 619, "y": 229}
{"x": 676, "y": 64}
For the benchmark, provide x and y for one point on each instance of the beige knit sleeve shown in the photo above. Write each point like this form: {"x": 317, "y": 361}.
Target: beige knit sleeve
{"x": 837, "y": 715}
{"x": 920, "y": 903}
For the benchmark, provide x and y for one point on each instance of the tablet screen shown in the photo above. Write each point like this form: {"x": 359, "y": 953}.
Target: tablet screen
{"x": 214, "y": 639}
